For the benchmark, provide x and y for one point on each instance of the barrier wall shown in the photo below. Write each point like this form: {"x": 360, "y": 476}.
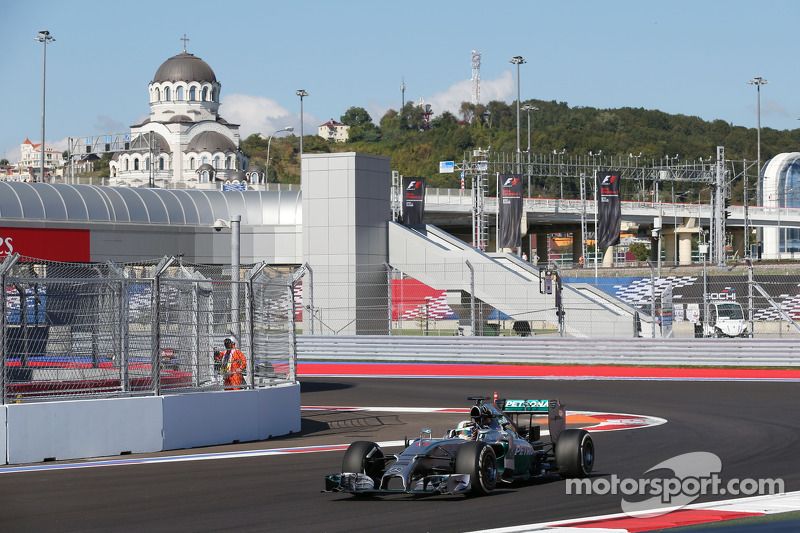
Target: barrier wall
{"x": 77, "y": 429}
{"x": 3, "y": 414}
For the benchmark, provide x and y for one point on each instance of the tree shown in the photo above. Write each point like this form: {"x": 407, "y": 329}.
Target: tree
{"x": 640, "y": 251}
{"x": 4, "y": 161}
{"x": 356, "y": 116}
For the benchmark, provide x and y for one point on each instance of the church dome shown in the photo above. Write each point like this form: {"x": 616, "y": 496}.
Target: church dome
{"x": 184, "y": 67}
{"x": 210, "y": 141}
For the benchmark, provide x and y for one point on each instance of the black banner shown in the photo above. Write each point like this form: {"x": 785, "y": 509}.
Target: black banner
{"x": 609, "y": 210}
{"x": 510, "y": 215}
{"x": 413, "y": 201}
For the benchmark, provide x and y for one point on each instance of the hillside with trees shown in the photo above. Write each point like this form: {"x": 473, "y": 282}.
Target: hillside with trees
{"x": 416, "y": 146}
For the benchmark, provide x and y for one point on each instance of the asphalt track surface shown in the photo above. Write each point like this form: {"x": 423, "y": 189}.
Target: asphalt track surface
{"x": 754, "y": 427}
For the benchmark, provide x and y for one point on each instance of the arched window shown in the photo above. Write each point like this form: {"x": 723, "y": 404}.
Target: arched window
{"x": 158, "y": 94}
{"x": 205, "y": 94}
{"x": 192, "y": 94}
{"x": 167, "y": 94}
{"x": 147, "y": 163}
{"x": 191, "y": 163}
{"x": 160, "y": 163}
{"x": 216, "y": 162}
{"x": 126, "y": 164}
{"x": 205, "y": 160}
{"x": 179, "y": 93}
{"x": 136, "y": 164}
{"x": 228, "y": 163}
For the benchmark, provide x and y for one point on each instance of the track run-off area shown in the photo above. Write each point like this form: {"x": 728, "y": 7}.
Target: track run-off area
{"x": 639, "y": 418}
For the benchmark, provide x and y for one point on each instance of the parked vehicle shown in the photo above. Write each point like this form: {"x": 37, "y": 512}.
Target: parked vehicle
{"x": 725, "y": 319}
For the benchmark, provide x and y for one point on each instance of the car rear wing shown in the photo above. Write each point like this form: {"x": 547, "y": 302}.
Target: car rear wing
{"x": 556, "y": 412}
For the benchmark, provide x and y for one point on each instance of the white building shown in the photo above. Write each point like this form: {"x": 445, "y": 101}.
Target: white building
{"x": 335, "y": 131}
{"x": 31, "y": 158}
{"x": 184, "y": 143}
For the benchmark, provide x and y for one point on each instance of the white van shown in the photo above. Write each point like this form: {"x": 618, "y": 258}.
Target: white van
{"x": 725, "y": 319}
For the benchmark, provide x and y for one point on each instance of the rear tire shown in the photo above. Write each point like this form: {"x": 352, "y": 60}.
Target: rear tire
{"x": 574, "y": 453}
{"x": 478, "y": 459}
{"x": 364, "y": 457}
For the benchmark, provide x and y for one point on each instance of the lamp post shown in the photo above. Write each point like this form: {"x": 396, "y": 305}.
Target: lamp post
{"x": 234, "y": 224}
{"x": 287, "y": 128}
{"x": 529, "y": 108}
{"x": 301, "y": 93}
{"x": 517, "y": 60}
{"x": 758, "y": 81}
{"x": 44, "y": 37}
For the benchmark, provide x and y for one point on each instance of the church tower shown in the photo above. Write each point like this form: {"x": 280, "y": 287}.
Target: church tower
{"x": 184, "y": 143}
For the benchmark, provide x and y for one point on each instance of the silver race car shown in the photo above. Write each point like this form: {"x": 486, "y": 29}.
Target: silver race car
{"x": 499, "y": 443}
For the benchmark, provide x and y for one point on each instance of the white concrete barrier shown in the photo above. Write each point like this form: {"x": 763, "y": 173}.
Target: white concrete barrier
{"x": 76, "y": 429}
{"x": 83, "y": 428}
{"x": 3, "y": 431}
{"x": 206, "y": 418}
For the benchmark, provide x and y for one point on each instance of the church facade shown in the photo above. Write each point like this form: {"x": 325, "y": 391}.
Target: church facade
{"x": 184, "y": 143}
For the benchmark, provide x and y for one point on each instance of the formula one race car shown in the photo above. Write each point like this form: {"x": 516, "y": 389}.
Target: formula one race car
{"x": 494, "y": 445}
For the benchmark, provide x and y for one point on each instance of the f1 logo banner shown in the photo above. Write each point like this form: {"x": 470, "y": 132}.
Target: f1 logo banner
{"x": 413, "y": 201}
{"x": 609, "y": 210}
{"x": 510, "y": 214}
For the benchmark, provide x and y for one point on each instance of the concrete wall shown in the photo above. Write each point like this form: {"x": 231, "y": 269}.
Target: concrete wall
{"x": 3, "y": 431}
{"x": 346, "y": 208}
{"x": 76, "y": 429}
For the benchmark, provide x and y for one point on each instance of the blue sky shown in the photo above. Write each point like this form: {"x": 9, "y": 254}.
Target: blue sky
{"x": 681, "y": 57}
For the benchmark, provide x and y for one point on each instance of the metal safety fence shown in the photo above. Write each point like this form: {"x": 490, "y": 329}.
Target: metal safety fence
{"x": 510, "y": 297}
{"x": 73, "y": 330}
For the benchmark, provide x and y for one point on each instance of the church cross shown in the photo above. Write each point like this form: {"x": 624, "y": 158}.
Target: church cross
{"x": 184, "y": 39}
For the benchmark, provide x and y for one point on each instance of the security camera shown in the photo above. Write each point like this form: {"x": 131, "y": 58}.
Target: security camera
{"x": 219, "y": 224}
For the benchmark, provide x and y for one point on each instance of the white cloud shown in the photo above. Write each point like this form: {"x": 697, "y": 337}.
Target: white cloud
{"x": 503, "y": 88}
{"x": 257, "y": 114}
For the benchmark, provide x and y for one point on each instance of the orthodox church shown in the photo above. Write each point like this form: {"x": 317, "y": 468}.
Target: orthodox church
{"x": 184, "y": 143}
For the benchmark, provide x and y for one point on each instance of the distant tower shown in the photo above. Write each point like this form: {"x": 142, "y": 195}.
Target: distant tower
{"x": 476, "y": 77}
{"x": 427, "y": 112}
{"x": 403, "y": 92}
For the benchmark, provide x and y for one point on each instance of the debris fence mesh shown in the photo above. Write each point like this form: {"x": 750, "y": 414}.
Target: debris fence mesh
{"x": 74, "y": 330}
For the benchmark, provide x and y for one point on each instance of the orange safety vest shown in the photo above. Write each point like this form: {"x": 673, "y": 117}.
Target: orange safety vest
{"x": 233, "y": 365}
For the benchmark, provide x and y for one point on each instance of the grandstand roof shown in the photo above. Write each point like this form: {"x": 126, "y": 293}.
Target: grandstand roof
{"x": 92, "y": 203}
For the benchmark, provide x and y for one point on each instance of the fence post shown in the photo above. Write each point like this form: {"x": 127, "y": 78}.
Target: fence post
{"x": 750, "y": 292}
{"x": 472, "y": 297}
{"x": 310, "y": 295}
{"x": 389, "y": 294}
{"x": 250, "y": 319}
{"x": 292, "y": 336}
{"x": 155, "y": 360}
{"x": 653, "y": 300}
{"x": 5, "y": 267}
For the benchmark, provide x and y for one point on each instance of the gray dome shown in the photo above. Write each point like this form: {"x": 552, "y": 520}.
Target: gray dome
{"x": 210, "y": 141}
{"x": 180, "y": 119}
{"x": 184, "y": 67}
{"x": 205, "y": 167}
{"x": 237, "y": 175}
{"x": 140, "y": 143}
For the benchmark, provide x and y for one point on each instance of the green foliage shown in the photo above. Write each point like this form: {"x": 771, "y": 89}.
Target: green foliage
{"x": 356, "y": 116}
{"x": 416, "y": 147}
{"x": 640, "y": 251}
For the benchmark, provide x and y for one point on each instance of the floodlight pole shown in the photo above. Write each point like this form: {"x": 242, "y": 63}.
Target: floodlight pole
{"x": 517, "y": 60}
{"x": 44, "y": 37}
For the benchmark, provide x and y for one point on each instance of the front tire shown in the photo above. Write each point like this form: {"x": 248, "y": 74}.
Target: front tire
{"x": 478, "y": 459}
{"x": 574, "y": 453}
{"x": 364, "y": 457}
